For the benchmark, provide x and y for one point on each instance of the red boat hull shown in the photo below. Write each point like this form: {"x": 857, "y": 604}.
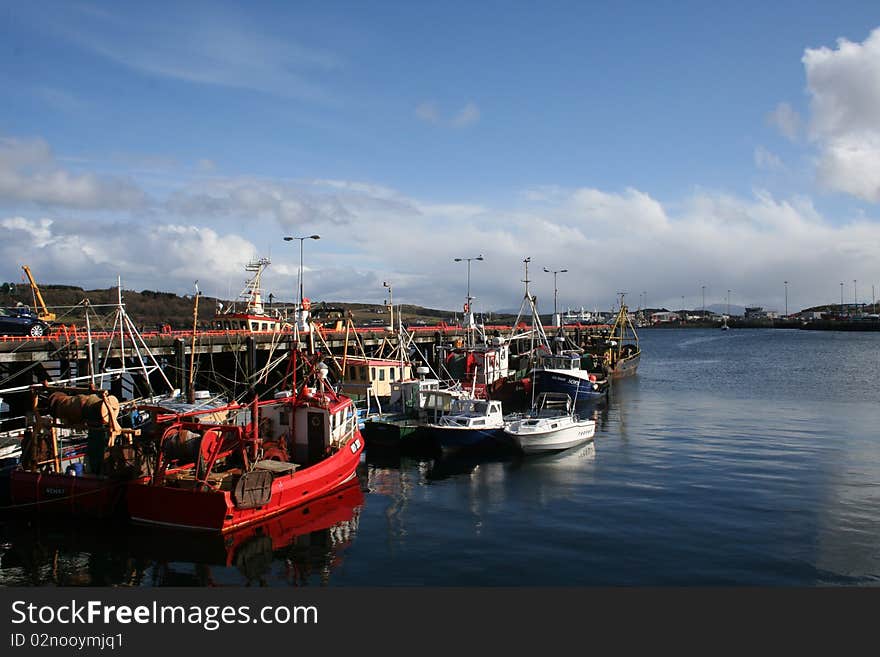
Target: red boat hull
{"x": 50, "y": 492}
{"x": 215, "y": 510}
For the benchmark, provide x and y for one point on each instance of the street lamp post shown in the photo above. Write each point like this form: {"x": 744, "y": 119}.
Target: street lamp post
{"x": 467, "y": 309}
{"x": 786, "y": 298}
{"x": 855, "y": 299}
{"x": 556, "y": 321}
{"x": 301, "y": 239}
{"x": 390, "y": 302}
{"x": 728, "y": 303}
{"x": 704, "y": 303}
{"x": 841, "y": 298}
{"x": 683, "y": 313}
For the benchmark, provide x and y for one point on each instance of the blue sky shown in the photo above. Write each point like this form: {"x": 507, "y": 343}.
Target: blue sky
{"x": 644, "y": 148}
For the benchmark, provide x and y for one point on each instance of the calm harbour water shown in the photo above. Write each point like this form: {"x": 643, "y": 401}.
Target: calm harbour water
{"x": 745, "y": 457}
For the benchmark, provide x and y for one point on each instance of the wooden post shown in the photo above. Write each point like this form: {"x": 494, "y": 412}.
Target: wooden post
{"x": 345, "y": 348}
{"x": 56, "y": 457}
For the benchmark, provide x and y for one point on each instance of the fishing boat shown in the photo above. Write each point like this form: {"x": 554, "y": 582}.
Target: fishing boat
{"x": 254, "y": 317}
{"x": 618, "y": 349}
{"x": 470, "y": 423}
{"x": 564, "y": 373}
{"x": 551, "y": 425}
{"x": 413, "y": 405}
{"x": 84, "y": 439}
{"x": 287, "y": 451}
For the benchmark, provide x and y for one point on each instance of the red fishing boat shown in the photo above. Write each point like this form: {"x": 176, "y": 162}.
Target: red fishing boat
{"x": 289, "y": 451}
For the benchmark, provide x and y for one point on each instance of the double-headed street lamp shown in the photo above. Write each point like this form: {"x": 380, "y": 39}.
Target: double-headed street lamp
{"x": 467, "y": 309}
{"x": 301, "y": 239}
{"x": 555, "y": 291}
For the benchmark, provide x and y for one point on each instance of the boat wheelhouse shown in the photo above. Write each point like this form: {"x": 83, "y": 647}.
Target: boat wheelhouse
{"x": 253, "y": 318}
{"x": 373, "y": 377}
{"x": 478, "y": 368}
{"x": 564, "y": 373}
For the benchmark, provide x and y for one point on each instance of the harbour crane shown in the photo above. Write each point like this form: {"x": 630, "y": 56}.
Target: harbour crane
{"x": 42, "y": 312}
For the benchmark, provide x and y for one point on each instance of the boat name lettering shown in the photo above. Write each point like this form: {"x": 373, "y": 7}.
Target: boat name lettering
{"x": 55, "y": 491}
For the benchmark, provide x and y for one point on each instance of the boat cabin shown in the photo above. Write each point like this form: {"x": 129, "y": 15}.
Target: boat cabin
{"x": 375, "y": 376}
{"x": 483, "y": 365}
{"x": 320, "y": 426}
{"x": 565, "y": 361}
{"x": 552, "y": 404}
{"x": 251, "y": 323}
{"x": 475, "y": 407}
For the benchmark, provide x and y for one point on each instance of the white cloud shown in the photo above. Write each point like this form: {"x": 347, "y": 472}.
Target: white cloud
{"x": 786, "y": 120}
{"x": 766, "y": 160}
{"x": 218, "y": 48}
{"x": 468, "y": 115}
{"x": 428, "y": 112}
{"x": 29, "y": 173}
{"x": 163, "y": 256}
{"x": 290, "y": 204}
{"x": 844, "y": 85}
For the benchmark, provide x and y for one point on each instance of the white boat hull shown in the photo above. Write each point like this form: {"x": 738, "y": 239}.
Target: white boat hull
{"x": 550, "y": 434}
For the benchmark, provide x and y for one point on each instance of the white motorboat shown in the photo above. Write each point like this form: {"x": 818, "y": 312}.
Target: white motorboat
{"x": 550, "y": 426}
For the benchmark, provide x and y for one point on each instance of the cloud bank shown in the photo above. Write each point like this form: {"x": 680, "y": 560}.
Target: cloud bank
{"x": 608, "y": 240}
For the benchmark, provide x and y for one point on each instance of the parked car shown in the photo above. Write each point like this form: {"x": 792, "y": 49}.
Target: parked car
{"x": 21, "y": 321}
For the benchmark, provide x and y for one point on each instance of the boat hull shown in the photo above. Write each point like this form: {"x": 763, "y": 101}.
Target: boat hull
{"x": 393, "y": 434}
{"x": 626, "y": 367}
{"x": 533, "y": 442}
{"x": 579, "y": 389}
{"x": 215, "y": 510}
{"x": 84, "y": 495}
{"x": 276, "y": 532}
{"x": 451, "y": 438}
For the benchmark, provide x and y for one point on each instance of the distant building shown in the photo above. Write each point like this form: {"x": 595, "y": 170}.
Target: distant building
{"x": 664, "y": 317}
{"x": 757, "y": 312}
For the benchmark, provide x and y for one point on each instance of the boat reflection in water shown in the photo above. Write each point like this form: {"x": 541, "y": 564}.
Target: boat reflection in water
{"x": 299, "y": 547}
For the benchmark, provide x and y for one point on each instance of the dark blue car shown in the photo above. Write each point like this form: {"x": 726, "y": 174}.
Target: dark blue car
{"x": 21, "y": 321}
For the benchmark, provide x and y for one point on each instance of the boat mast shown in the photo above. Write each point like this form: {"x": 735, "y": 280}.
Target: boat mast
{"x": 537, "y": 330}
